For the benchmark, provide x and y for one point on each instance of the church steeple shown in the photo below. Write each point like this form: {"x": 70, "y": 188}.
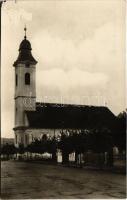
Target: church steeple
{"x": 25, "y": 88}
{"x": 25, "y": 55}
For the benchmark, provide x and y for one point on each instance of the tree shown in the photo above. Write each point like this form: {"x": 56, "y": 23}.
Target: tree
{"x": 52, "y": 147}
{"x": 77, "y": 145}
{"x": 8, "y": 149}
{"x": 38, "y": 146}
{"x": 103, "y": 142}
{"x": 65, "y": 146}
{"x": 21, "y": 149}
{"x": 120, "y": 136}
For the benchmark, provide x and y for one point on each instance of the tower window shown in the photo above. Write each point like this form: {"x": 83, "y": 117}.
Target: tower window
{"x": 27, "y": 79}
{"x": 16, "y": 80}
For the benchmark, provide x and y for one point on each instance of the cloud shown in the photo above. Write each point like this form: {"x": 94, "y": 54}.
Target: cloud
{"x": 77, "y": 67}
{"x": 97, "y": 53}
{"x": 15, "y": 15}
{"x": 67, "y": 80}
{"x": 74, "y": 86}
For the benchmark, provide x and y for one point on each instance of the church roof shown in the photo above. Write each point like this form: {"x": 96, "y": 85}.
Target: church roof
{"x": 49, "y": 115}
{"x": 25, "y": 55}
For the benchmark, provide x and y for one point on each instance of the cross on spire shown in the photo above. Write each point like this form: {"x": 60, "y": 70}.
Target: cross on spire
{"x": 25, "y": 29}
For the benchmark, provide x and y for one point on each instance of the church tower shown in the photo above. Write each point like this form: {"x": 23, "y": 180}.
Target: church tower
{"x": 25, "y": 88}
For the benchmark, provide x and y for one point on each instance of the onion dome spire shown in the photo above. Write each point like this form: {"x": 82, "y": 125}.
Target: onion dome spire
{"x": 25, "y": 55}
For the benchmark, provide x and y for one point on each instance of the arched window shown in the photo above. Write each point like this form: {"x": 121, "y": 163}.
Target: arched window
{"x": 16, "y": 80}
{"x": 27, "y": 79}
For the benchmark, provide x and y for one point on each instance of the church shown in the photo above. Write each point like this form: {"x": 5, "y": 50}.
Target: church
{"x": 33, "y": 119}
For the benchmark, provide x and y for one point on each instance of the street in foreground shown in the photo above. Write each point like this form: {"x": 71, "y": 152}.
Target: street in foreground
{"x": 22, "y": 180}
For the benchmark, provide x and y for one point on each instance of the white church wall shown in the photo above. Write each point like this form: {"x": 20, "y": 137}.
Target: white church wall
{"x": 38, "y": 133}
{"x": 28, "y": 135}
{"x": 23, "y": 104}
{"x": 19, "y": 137}
{"x": 33, "y": 134}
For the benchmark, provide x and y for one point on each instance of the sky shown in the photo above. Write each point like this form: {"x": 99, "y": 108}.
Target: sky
{"x": 80, "y": 49}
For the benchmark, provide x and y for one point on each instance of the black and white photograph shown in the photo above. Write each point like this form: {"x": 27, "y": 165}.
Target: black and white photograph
{"x": 63, "y": 100}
